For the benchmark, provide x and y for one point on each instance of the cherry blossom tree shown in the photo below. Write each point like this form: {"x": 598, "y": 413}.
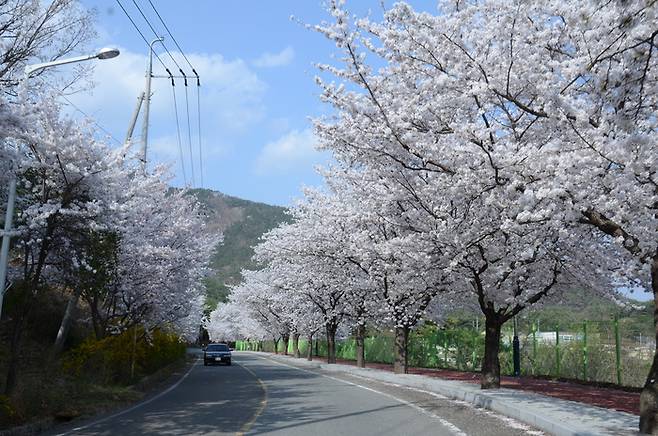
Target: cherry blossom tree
{"x": 162, "y": 259}
{"x": 464, "y": 125}
{"x": 65, "y": 179}
{"x": 227, "y": 323}
{"x": 309, "y": 258}
{"x": 263, "y": 302}
{"x": 88, "y": 225}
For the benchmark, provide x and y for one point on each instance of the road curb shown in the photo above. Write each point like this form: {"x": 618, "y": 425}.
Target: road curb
{"x": 552, "y": 415}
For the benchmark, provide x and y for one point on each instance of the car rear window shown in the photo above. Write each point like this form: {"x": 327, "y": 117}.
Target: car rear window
{"x": 217, "y": 347}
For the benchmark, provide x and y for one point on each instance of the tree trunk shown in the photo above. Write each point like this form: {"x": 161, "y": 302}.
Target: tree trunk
{"x": 401, "y": 340}
{"x": 360, "y": 345}
{"x": 490, "y": 376}
{"x": 309, "y": 349}
{"x": 286, "y": 341}
{"x": 331, "y": 342}
{"x": 133, "y": 356}
{"x": 276, "y": 346}
{"x": 96, "y": 318}
{"x": 65, "y": 325}
{"x": 649, "y": 395}
{"x": 295, "y": 345}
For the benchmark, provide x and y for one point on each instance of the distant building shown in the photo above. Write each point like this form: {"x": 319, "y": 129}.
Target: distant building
{"x": 549, "y": 337}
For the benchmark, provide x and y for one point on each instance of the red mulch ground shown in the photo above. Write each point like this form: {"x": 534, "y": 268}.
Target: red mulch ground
{"x": 609, "y": 398}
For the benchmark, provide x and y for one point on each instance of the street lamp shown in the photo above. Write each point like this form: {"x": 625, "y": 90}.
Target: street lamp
{"x": 104, "y": 53}
{"x": 107, "y": 53}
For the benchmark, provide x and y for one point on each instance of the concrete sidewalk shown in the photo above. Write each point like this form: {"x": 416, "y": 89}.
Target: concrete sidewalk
{"x": 552, "y": 415}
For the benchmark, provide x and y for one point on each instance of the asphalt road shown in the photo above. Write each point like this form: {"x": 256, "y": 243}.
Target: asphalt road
{"x": 259, "y": 396}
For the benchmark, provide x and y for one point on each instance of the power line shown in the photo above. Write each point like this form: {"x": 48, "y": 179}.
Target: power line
{"x": 173, "y": 39}
{"x": 155, "y": 32}
{"x": 189, "y": 133}
{"x": 180, "y": 145}
{"x": 171, "y": 76}
{"x": 141, "y": 34}
{"x": 180, "y": 49}
{"x": 198, "y": 106}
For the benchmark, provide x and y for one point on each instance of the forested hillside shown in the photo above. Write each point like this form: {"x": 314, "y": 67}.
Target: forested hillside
{"x": 242, "y": 222}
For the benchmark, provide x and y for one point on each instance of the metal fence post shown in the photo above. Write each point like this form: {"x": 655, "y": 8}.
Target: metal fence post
{"x": 557, "y": 350}
{"x": 534, "y": 348}
{"x": 474, "y": 353}
{"x": 516, "y": 351}
{"x": 435, "y": 349}
{"x": 585, "y": 357}
{"x": 617, "y": 350}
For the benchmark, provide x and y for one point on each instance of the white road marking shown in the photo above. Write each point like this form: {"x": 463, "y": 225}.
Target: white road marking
{"x": 450, "y": 426}
{"x": 136, "y": 406}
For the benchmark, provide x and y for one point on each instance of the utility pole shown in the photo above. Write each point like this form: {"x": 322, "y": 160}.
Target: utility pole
{"x": 133, "y": 120}
{"x": 6, "y": 234}
{"x": 147, "y": 103}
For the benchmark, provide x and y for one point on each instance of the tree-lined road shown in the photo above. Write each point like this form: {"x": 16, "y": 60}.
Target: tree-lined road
{"x": 259, "y": 396}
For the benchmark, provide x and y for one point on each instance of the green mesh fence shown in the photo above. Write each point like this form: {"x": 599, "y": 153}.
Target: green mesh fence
{"x": 597, "y": 351}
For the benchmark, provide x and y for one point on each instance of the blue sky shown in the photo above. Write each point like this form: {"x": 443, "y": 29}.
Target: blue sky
{"x": 258, "y": 90}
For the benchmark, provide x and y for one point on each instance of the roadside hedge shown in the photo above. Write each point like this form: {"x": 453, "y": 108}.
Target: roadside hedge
{"x": 124, "y": 358}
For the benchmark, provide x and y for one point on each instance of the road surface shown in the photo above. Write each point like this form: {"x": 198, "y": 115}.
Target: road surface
{"x": 259, "y": 396}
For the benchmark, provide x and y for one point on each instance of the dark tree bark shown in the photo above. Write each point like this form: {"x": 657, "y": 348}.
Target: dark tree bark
{"x": 309, "y": 348}
{"x": 276, "y": 346}
{"x": 97, "y": 319}
{"x": 649, "y": 395}
{"x": 331, "y": 342}
{"x": 490, "y": 375}
{"x": 295, "y": 345}
{"x": 286, "y": 341}
{"x": 360, "y": 335}
{"x": 401, "y": 339}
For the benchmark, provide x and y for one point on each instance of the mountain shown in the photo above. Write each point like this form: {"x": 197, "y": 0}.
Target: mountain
{"x": 242, "y": 222}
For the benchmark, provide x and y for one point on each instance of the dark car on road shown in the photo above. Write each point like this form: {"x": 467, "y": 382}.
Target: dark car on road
{"x": 217, "y": 353}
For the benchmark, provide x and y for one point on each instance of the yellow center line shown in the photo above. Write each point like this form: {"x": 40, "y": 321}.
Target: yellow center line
{"x": 263, "y": 403}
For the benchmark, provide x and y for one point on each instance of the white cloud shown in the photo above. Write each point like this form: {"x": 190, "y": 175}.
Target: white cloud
{"x": 294, "y": 150}
{"x": 269, "y": 60}
{"x": 232, "y": 92}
